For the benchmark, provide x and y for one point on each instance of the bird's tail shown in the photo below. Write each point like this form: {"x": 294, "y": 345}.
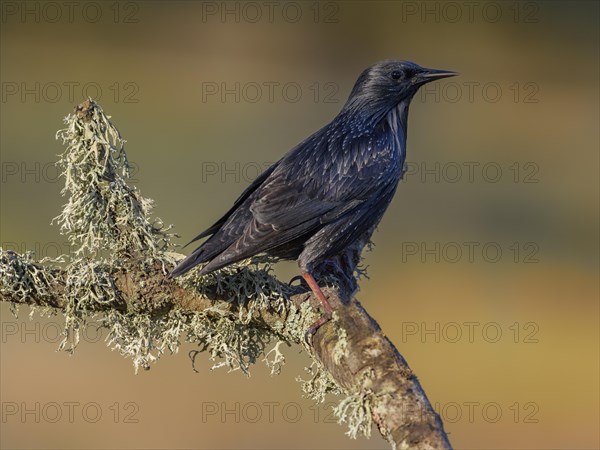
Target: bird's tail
{"x": 216, "y": 260}
{"x": 187, "y": 264}
{"x": 211, "y": 252}
{"x": 203, "y": 254}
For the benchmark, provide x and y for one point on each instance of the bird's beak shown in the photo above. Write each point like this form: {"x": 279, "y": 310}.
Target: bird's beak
{"x": 427, "y": 75}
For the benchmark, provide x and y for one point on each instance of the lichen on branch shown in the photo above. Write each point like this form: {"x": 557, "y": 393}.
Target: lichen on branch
{"x": 104, "y": 215}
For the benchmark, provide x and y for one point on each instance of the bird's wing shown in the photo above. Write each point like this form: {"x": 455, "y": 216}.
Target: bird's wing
{"x": 244, "y": 195}
{"x": 298, "y": 199}
{"x": 285, "y": 205}
{"x": 324, "y": 183}
{"x": 276, "y": 218}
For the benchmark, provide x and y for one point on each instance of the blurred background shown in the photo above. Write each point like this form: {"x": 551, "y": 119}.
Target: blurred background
{"x": 485, "y": 267}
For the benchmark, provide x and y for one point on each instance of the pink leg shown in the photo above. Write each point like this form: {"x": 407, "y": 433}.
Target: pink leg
{"x": 319, "y": 293}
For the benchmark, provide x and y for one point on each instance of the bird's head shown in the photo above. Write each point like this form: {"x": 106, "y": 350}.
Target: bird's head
{"x": 388, "y": 83}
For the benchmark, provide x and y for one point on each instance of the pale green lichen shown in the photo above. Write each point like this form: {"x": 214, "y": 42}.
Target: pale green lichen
{"x": 21, "y": 277}
{"x": 277, "y": 360}
{"x": 103, "y": 215}
{"x": 143, "y": 336}
{"x": 107, "y": 222}
{"x": 357, "y": 411}
{"x": 319, "y": 384}
{"x": 250, "y": 284}
{"x": 229, "y": 342}
{"x": 340, "y": 349}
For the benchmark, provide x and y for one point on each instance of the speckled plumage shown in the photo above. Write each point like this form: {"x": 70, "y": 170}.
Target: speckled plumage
{"x": 331, "y": 189}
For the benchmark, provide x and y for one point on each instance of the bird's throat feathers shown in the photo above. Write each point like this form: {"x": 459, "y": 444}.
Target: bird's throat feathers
{"x": 371, "y": 113}
{"x": 397, "y": 120}
{"x": 381, "y": 118}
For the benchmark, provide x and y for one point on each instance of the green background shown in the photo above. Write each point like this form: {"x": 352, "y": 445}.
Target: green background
{"x": 523, "y": 115}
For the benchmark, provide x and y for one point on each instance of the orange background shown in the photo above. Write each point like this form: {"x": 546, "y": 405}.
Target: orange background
{"x": 532, "y": 113}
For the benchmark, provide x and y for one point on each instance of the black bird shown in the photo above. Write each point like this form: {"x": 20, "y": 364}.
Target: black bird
{"x": 328, "y": 192}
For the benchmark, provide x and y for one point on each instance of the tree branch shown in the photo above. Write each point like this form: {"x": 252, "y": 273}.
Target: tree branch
{"x": 230, "y": 313}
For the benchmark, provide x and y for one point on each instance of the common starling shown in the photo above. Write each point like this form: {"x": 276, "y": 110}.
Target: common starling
{"x": 328, "y": 192}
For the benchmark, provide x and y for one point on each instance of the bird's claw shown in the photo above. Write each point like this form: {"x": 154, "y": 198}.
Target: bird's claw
{"x": 296, "y": 278}
{"x": 326, "y": 317}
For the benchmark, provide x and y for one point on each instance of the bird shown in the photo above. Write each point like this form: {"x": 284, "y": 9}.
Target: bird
{"x": 328, "y": 192}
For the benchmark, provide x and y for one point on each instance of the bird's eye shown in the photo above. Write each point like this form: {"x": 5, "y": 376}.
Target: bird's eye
{"x": 396, "y": 75}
